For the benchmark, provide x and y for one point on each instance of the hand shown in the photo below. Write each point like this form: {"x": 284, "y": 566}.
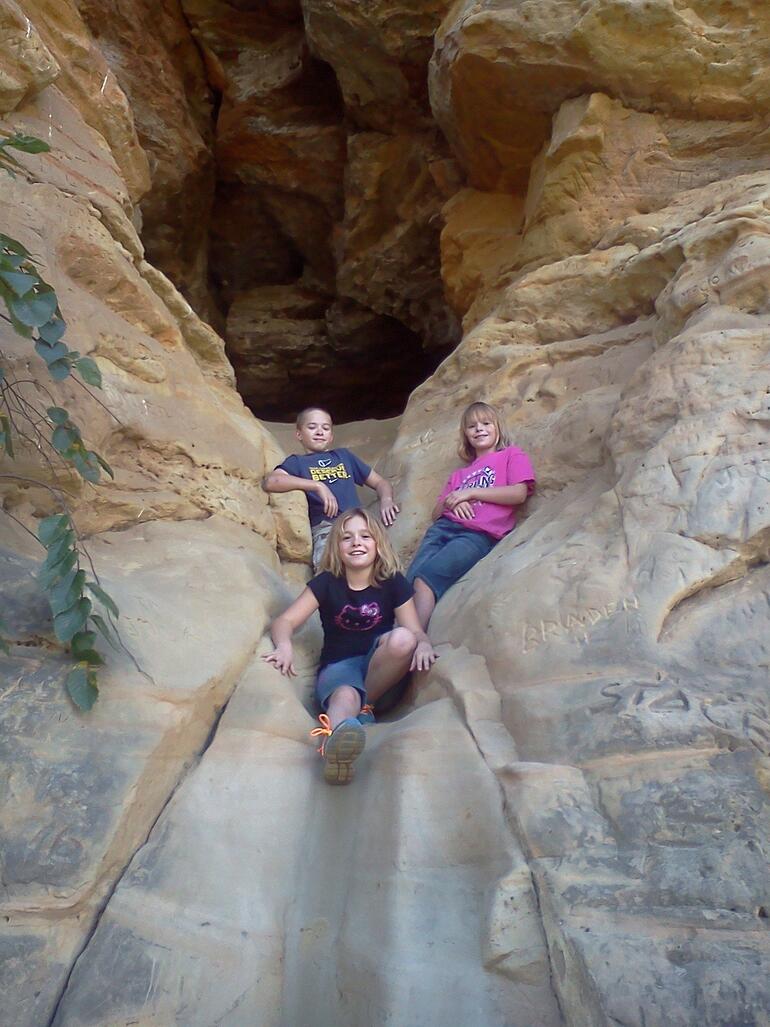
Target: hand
{"x": 424, "y": 656}
{"x": 453, "y": 500}
{"x": 464, "y": 511}
{"x": 282, "y": 658}
{"x": 325, "y": 494}
{"x": 388, "y": 511}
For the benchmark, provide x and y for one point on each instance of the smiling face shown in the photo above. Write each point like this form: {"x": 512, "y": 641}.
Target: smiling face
{"x": 357, "y": 547}
{"x": 315, "y": 432}
{"x": 481, "y": 433}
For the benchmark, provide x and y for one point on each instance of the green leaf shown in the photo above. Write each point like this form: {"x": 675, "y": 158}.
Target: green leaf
{"x": 48, "y": 575}
{"x": 36, "y": 309}
{"x": 58, "y": 547}
{"x": 86, "y": 465}
{"x": 105, "y": 630}
{"x": 59, "y": 370}
{"x": 52, "y": 330}
{"x": 27, "y": 144}
{"x": 19, "y": 282}
{"x": 63, "y": 438}
{"x": 14, "y": 246}
{"x": 67, "y": 623}
{"x": 58, "y": 415}
{"x": 51, "y": 353}
{"x": 82, "y": 641}
{"x": 6, "y": 438}
{"x": 52, "y": 528}
{"x": 10, "y": 261}
{"x": 106, "y": 600}
{"x": 83, "y": 650}
{"x": 18, "y": 327}
{"x": 62, "y": 598}
{"x": 91, "y": 657}
{"x": 81, "y": 687}
{"x": 104, "y": 465}
{"x": 89, "y": 371}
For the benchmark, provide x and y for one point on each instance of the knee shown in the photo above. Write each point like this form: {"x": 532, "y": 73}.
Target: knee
{"x": 346, "y": 694}
{"x": 401, "y": 641}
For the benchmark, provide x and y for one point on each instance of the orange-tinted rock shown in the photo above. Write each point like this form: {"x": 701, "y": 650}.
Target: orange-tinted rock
{"x": 501, "y": 70}
{"x": 87, "y": 81}
{"x": 279, "y": 131}
{"x": 379, "y": 51}
{"x": 480, "y": 240}
{"x": 291, "y": 139}
{"x": 26, "y": 63}
{"x": 150, "y": 50}
{"x": 388, "y": 245}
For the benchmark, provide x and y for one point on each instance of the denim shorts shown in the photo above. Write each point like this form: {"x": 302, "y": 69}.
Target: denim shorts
{"x": 448, "y": 550}
{"x": 352, "y": 672}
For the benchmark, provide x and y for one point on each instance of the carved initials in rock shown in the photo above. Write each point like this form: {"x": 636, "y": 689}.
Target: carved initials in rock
{"x": 573, "y": 625}
{"x": 628, "y": 698}
{"x": 742, "y": 715}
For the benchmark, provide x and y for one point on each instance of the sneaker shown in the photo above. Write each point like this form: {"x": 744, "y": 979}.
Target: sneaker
{"x": 340, "y": 748}
{"x": 366, "y": 716}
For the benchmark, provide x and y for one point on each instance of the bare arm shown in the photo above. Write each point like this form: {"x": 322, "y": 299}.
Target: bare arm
{"x": 504, "y": 495}
{"x": 462, "y": 508}
{"x": 388, "y": 507}
{"x": 282, "y": 481}
{"x": 282, "y": 629}
{"x": 424, "y": 654}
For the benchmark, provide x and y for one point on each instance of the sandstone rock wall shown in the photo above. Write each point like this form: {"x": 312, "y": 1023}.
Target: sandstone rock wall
{"x": 622, "y": 325}
{"x": 568, "y": 825}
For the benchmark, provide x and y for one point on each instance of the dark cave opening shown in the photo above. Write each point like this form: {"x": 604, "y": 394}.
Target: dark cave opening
{"x": 307, "y": 235}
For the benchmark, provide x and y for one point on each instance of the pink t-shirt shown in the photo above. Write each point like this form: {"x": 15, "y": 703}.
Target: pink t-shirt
{"x": 507, "y": 467}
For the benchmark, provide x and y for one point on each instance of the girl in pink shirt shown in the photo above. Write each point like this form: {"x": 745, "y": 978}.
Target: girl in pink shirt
{"x": 476, "y": 508}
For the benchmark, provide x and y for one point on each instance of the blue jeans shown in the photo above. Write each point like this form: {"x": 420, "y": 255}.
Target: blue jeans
{"x": 448, "y": 550}
{"x": 352, "y": 672}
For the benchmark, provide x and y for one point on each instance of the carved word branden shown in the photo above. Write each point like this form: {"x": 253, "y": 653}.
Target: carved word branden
{"x": 574, "y": 626}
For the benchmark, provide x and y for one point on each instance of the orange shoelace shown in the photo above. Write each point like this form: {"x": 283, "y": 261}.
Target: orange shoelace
{"x": 366, "y": 708}
{"x": 323, "y": 731}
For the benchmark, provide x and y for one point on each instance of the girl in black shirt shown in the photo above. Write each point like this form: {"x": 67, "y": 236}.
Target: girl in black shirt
{"x": 372, "y": 635}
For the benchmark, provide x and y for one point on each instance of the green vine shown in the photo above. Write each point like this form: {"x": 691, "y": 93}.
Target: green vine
{"x": 32, "y": 308}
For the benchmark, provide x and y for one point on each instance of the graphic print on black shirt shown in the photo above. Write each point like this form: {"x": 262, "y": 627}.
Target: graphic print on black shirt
{"x": 359, "y": 618}
{"x": 354, "y": 619}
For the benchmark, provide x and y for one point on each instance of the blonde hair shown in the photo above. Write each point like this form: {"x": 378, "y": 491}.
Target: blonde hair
{"x": 305, "y": 413}
{"x": 465, "y": 451}
{"x": 386, "y": 563}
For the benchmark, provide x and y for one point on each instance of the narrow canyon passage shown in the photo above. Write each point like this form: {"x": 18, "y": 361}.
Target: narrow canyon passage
{"x": 394, "y": 209}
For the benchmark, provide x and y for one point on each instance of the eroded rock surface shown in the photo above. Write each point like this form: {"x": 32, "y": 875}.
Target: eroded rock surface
{"x": 568, "y": 821}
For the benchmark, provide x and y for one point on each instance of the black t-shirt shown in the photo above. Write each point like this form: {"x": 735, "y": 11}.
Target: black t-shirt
{"x": 352, "y": 619}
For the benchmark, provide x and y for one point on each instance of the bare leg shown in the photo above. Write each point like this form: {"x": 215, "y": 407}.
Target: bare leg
{"x": 390, "y": 662}
{"x": 344, "y": 702}
{"x": 424, "y": 601}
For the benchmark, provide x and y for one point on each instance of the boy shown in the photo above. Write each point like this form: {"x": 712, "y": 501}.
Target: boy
{"x": 328, "y": 477}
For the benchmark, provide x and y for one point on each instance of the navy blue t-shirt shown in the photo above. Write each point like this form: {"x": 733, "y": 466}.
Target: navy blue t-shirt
{"x": 340, "y": 469}
{"x": 353, "y": 619}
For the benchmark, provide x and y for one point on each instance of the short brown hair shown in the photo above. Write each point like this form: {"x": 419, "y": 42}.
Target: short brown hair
{"x": 309, "y": 410}
{"x": 386, "y": 562}
{"x": 465, "y": 451}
